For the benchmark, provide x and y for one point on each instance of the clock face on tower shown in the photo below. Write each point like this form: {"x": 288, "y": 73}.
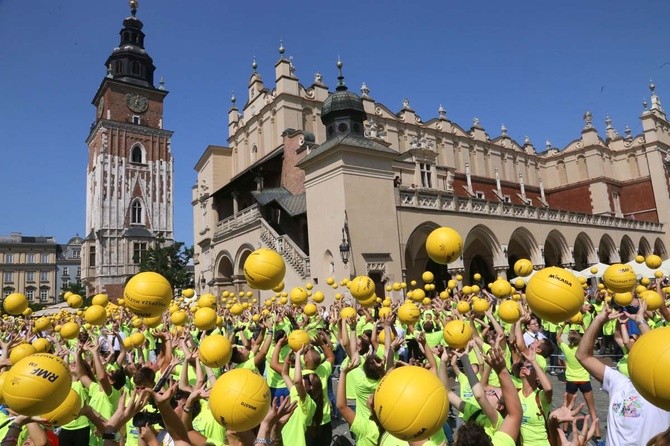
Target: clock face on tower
{"x": 137, "y": 102}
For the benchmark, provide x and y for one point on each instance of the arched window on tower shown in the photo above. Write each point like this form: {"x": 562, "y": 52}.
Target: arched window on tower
{"x": 135, "y": 67}
{"x": 136, "y": 213}
{"x": 126, "y": 36}
{"x": 136, "y": 154}
{"x": 119, "y": 67}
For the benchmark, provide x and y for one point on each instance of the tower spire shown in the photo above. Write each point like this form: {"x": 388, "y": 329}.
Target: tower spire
{"x": 133, "y": 6}
{"x": 341, "y": 86}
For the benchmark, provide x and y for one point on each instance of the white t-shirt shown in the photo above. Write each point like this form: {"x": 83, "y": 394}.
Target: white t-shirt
{"x": 529, "y": 337}
{"x": 631, "y": 420}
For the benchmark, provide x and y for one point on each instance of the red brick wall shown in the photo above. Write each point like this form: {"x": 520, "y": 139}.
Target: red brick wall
{"x": 638, "y": 196}
{"x": 292, "y": 177}
{"x": 576, "y": 198}
{"x": 487, "y": 187}
{"x": 115, "y": 102}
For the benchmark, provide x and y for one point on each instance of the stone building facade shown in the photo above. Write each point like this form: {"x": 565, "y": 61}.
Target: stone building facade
{"x": 129, "y": 175}
{"x": 376, "y": 181}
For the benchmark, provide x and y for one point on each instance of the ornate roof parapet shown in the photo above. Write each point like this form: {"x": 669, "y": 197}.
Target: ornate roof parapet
{"x": 610, "y": 132}
{"x": 528, "y": 146}
{"x": 589, "y": 133}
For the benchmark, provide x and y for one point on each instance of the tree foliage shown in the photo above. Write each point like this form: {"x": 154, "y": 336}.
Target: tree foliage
{"x": 171, "y": 261}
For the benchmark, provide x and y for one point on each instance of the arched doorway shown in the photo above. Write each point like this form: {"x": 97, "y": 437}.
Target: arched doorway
{"x": 584, "y": 252}
{"x": 627, "y": 249}
{"x": 556, "y": 250}
{"x": 480, "y": 250}
{"x": 607, "y": 252}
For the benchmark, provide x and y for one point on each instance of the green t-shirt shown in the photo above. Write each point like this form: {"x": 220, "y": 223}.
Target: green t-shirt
{"x": 273, "y": 378}
{"x": 365, "y": 430}
{"x": 80, "y": 421}
{"x": 502, "y": 439}
{"x": 249, "y": 363}
{"x": 465, "y": 390}
{"x": 481, "y": 419}
{"x": 363, "y": 387}
{"x": 533, "y": 427}
{"x": 293, "y": 432}
{"x": 350, "y": 386}
{"x": 103, "y": 404}
{"x": 323, "y": 371}
{"x": 207, "y": 426}
{"x": 435, "y": 338}
{"x": 390, "y": 440}
{"x": 573, "y": 369}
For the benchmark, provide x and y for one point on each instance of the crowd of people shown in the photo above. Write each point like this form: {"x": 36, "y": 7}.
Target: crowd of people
{"x": 499, "y": 385}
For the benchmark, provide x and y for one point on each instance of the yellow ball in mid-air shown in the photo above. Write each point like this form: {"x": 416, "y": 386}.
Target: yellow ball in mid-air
{"x": 37, "y": 384}
{"x": 239, "y": 400}
{"x": 147, "y": 294}
{"x": 204, "y": 319}
{"x": 411, "y": 390}
{"x": 215, "y": 351}
{"x": 264, "y": 269}
{"x": 509, "y": 311}
{"x": 619, "y": 278}
{"x": 648, "y": 364}
{"x": 444, "y": 245}
{"x": 409, "y": 313}
{"x": 297, "y": 339}
{"x": 457, "y": 333}
{"x": 653, "y": 261}
{"x": 15, "y": 303}
{"x": 523, "y": 267}
{"x": 554, "y": 294}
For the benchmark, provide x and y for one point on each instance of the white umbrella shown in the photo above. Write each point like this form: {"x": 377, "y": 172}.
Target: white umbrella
{"x": 601, "y": 267}
{"x": 642, "y": 270}
{"x": 577, "y": 273}
{"x": 525, "y": 279}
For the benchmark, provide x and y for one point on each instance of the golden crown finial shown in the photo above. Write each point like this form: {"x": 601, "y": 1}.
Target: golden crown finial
{"x": 133, "y": 6}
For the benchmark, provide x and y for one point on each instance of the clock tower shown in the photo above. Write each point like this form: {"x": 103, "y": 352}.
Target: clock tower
{"x": 129, "y": 171}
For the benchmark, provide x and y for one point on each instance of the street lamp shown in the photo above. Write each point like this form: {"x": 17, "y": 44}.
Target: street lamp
{"x": 344, "y": 248}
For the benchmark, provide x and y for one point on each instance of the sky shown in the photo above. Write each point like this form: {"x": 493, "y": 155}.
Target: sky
{"x": 535, "y": 66}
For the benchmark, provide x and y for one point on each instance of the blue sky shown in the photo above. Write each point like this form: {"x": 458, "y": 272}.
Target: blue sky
{"x": 534, "y": 66}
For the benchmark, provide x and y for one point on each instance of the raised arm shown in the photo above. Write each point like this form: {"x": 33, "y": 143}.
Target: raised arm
{"x": 584, "y": 352}
{"x": 341, "y": 398}
{"x": 512, "y": 422}
{"x": 478, "y": 391}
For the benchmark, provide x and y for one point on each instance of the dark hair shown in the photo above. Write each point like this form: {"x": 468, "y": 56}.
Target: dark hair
{"x": 574, "y": 337}
{"x": 371, "y": 369}
{"x": 545, "y": 348}
{"x": 472, "y": 434}
{"x": 279, "y": 334}
{"x": 428, "y": 327}
{"x": 143, "y": 375}
{"x": 118, "y": 379}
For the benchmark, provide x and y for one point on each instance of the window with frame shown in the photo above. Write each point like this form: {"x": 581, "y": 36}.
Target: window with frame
{"x": 139, "y": 249}
{"x": 7, "y": 291}
{"x": 44, "y": 276}
{"x": 66, "y": 271}
{"x": 30, "y": 276}
{"x": 136, "y": 154}
{"x": 30, "y": 293}
{"x": 91, "y": 255}
{"x": 30, "y": 258}
{"x": 45, "y": 258}
{"x": 136, "y": 213}
{"x": 78, "y": 272}
{"x": 44, "y": 294}
{"x": 9, "y": 258}
{"x": 480, "y": 195}
{"x": 137, "y": 120}
{"x": 425, "y": 171}
{"x": 76, "y": 253}
{"x": 507, "y": 199}
{"x": 9, "y": 276}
